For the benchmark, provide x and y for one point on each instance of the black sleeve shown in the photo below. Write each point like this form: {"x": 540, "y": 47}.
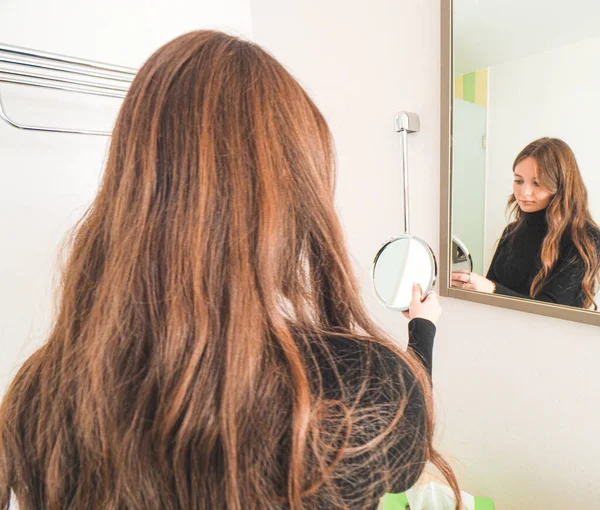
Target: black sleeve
{"x": 562, "y": 288}
{"x": 421, "y": 333}
{"x": 491, "y": 274}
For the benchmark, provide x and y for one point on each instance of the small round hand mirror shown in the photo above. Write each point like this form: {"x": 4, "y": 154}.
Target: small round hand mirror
{"x": 399, "y": 263}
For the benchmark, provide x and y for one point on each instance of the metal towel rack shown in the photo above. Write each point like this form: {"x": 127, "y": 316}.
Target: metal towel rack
{"x": 36, "y": 68}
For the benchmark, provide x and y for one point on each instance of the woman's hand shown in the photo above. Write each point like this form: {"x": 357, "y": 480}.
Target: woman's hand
{"x": 428, "y": 308}
{"x": 472, "y": 281}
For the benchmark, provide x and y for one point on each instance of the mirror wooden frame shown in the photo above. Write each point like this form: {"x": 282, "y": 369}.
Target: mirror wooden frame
{"x": 447, "y": 92}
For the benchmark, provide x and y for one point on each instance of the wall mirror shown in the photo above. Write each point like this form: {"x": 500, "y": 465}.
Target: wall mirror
{"x": 520, "y": 168}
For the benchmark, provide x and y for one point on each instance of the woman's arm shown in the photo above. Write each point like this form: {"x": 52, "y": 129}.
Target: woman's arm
{"x": 423, "y": 315}
{"x": 491, "y": 274}
{"x": 472, "y": 281}
{"x": 421, "y": 333}
{"x": 563, "y": 287}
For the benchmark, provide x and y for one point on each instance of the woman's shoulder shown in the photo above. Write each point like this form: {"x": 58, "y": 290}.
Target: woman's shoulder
{"x": 356, "y": 351}
{"x": 510, "y": 229}
{"x": 569, "y": 251}
{"x": 387, "y": 412}
{"x": 508, "y": 232}
{"x": 594, "y": 232}
{"x": 353, "y": 361}
{"x": 591, "y": 229}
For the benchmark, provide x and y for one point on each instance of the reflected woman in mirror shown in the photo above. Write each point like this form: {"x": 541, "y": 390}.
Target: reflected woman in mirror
{"x": 550, "y": 252}
{"x": 211, "y": 349}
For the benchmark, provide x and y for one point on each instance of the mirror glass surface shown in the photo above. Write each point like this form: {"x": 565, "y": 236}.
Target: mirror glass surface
{"x": 400, "y": 263}
{"x": 461, "y": 258}
{"x": 525, "y": 185}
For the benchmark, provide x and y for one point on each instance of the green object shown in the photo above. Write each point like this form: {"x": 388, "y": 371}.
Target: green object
{"x": 469, "y": 87}
{"x": 395, "y": 501}
{"x": 483, "y": 504}
{"x": 400, "y": 502}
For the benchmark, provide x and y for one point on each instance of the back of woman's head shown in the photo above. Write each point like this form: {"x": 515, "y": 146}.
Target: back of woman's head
{"x": 567, "y": 214}
{"x": 176, "y": 373}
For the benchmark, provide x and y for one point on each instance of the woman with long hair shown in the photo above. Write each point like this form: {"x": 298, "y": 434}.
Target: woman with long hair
{"x": 551, "y": 251}
{"x": 211, "y": 350}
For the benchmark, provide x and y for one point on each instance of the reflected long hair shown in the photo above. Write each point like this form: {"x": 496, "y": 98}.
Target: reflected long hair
{"x": 176, "y": 374}
{"x": 567, "y": 214}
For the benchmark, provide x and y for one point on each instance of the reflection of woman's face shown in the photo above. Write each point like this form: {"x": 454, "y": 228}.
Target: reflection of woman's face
{"x": 530, "y": 194}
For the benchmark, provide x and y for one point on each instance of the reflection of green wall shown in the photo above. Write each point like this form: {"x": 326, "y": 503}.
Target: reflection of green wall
{"x": 468, "y": 178}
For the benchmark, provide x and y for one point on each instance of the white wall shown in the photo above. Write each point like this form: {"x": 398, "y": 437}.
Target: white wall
{"x": 517, "y": 392}
{"x": 554, "y": 93}
{"x": 49, "y": 179}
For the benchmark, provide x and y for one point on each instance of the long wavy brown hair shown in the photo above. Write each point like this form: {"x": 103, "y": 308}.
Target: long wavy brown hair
{"x": 567, "y": 214}
{"x": 176, "y": 375}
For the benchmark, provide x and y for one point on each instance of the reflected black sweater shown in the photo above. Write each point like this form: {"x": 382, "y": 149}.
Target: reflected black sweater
{"x": 518, "y": 260}
{"x": 395, "y": 466}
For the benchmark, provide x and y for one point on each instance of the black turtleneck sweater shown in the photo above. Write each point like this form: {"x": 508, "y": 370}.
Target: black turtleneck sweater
{"x": 518, "y": 260}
